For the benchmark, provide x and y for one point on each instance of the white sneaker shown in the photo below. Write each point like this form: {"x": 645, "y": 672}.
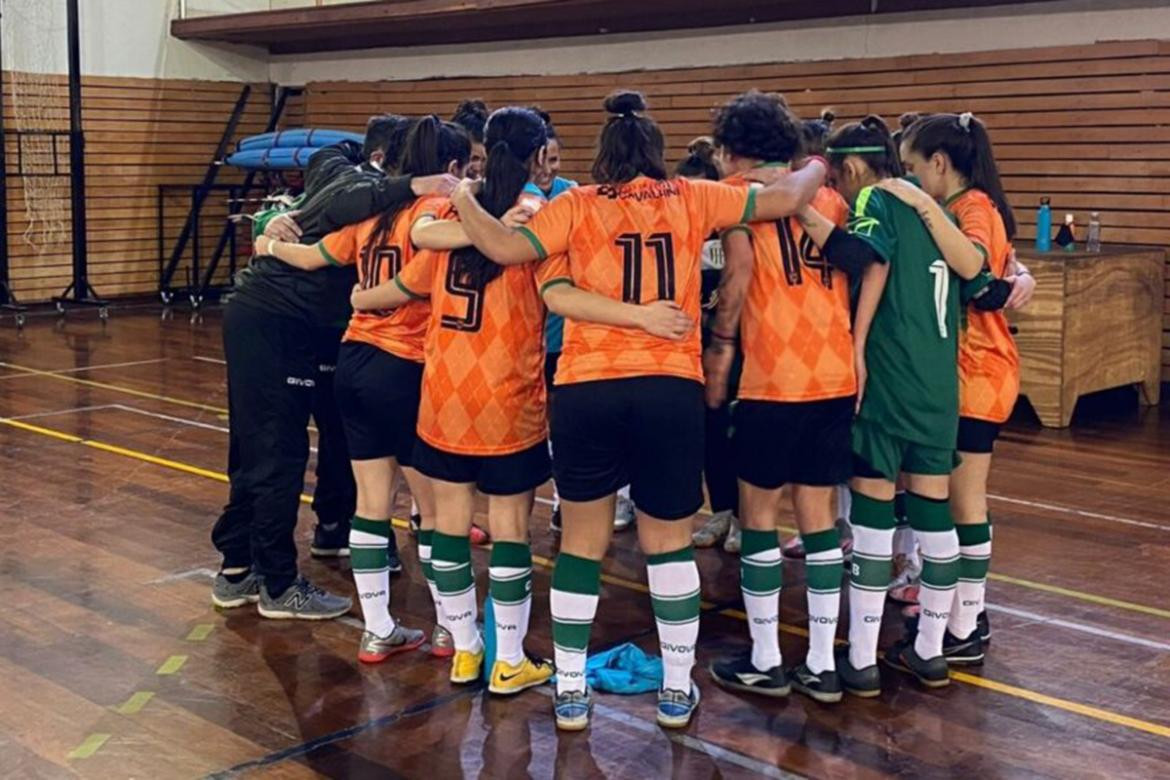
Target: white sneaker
{"x": 713, "y": 530}
{"x": 623, "y": 514}
{"x": 734, "y": 538}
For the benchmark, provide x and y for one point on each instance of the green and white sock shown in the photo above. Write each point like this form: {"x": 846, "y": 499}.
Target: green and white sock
{"x": 974, "y": 560}
{"x": 823, "y": 564}
{"x": 511, "y": 592}
{"x": 931, "y": 520}
{"x": 425, "y": 540}
{"x": 674, "y": 595}
{"x": 576, "y": 588}
{"x": 873, "y": 542}
{"x": 451, "y": 559}
{"x": 369, "y": 546}
{"x": 760, "y": 578}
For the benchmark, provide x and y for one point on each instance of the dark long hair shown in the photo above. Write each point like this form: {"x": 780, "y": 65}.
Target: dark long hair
{"x": 700, "y": 160}
{"x": 471, "y": 114}
{"x": 815, "y": 132}
{"x": 963, "y": 139}
{"x": 429, "y": 148}
{"x": 513, "y": 136}
{"x": 631, "y": 144}
{"x": 872, "y": 137}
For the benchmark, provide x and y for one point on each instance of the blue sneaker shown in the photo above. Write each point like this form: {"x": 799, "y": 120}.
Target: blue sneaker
{"x": 675, "y": 708}
{"x": 572, "y": 709}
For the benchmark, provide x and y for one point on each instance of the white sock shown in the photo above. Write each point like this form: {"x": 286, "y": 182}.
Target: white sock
{"x": 824, "y": 607}
{"x": 511, "y": 617}
{"x": 674, "y": 594}
{"x": 760, "y": 577}
{"x": 461, "y": 610}
{"x": 570, "y": 611}
{"x": 373, "y": 583}
{"x": 872, "y": 547}
{"x": 424, "y": 559}
{"x": 969, "y": 594}
{"x": 940, "y": 553}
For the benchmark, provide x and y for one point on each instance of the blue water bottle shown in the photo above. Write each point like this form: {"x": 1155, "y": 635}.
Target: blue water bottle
{"x": 1044, "y": 227}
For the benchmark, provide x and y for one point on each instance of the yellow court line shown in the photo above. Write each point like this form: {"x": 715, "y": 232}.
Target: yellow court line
{"x": 200, "y": 632}
{"x": 173, "y": 663}
{"x": 92, "y": 744}
{"x": 1076, "y": 594}
{"x": 135, "y": 703}
{"x": 115, "y": 388}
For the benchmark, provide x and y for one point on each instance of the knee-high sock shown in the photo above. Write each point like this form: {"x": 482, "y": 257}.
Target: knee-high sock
{"x": 873, "y": 540}
{"x": 974, "y": 560}
{"x": 511, "y": 591}
{"x": 932, "y": 524}
{"x": 451, "y": 558}
{"x": 674, "y": 595}
{"x": 576, "y": 587}
{"x": 824, "y": 568}
{"x": 760, "y": 578}
{"x": 425, "y": 541}
{"x": 369, "y": 549}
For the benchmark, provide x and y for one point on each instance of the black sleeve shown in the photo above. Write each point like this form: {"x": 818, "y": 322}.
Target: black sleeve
{"x": 369, "y": 195}
{"x": 849, "y": 253}
{"x": 326, "y": 164}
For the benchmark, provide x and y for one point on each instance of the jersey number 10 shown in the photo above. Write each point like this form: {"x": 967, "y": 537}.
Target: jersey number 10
{"x": 632, "y": 244}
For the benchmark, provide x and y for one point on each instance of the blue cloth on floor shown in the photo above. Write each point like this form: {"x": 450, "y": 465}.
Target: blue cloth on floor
{"x": 624, "y": 669}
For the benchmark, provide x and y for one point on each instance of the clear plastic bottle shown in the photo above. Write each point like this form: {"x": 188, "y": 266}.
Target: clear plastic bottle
{"x": 1093, "y": 239}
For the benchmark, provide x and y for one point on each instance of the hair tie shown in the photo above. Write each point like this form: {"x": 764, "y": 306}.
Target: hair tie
{"x": 965, "y": 120}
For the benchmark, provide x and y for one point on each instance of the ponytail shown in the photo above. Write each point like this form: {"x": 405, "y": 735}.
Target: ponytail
{"x": 869, "y": 140}
{"x": 700, "y": 160}
{"x": 631, "y": 144}
{"x": 514, "y": 136}
{"x": 965, "y": 141}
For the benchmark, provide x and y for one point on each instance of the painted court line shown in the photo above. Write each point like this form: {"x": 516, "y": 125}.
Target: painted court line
{"x": 135, "y": 703}
{"x": 1082, "y": 627}
{"x": 180, "y": 420}
{"x": 1023, "y": 693}
{"x": 55, "y": 412}
{"x": 92, "y": 744}
{"x": 115, "y": 388}
{"x": 80, "y": 369}
{"x": 1081, "y": 512}
{"x": 204, "y": 359}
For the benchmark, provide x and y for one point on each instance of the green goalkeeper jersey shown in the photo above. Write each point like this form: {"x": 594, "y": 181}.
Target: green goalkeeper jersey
{"x": 912, "y": 390}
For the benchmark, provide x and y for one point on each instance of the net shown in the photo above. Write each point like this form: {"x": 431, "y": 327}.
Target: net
{"x": 38, "y": 125}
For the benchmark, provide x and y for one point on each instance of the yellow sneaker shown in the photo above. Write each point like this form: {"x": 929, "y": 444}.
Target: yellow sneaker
{"x": 507, "y": 679}
{"x": 466, "y": 665}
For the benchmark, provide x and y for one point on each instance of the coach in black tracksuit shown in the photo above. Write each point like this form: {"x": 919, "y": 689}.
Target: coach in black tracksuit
{"x": 282, "y": 328}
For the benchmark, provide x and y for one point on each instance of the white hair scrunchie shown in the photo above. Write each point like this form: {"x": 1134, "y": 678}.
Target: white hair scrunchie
{"x": 965, "y": 120}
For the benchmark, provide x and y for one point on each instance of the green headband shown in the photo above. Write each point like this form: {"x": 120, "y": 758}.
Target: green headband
{"x": 855, "y": 149}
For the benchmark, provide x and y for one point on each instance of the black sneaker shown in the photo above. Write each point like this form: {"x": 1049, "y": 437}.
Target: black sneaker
{"x": 554, "y": 522}
{"x": 415, "y": 524}
{"x": 330, "y": 541}
{"x": 963, "y": 652}
{"x": 866, "y": 682}
{"x": 739, "y": 674}
{"x": 983, "y": 627}
{"x": 392, "y": 560}
{"x": 824, "y": 687}
{"x": 931, "y": 672}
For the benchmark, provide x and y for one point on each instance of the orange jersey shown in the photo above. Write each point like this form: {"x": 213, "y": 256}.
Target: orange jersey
{"x": 636, "y": 242}
{"x": 989, "y": 364}
{"x": 483, "y": 382}
{"x": 795, "y": 331}
{"x": 398, "y": 331}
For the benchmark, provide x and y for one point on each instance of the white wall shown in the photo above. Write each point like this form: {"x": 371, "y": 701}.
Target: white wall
{"x": 120, "y": 38}
{"x": 1002, "y": 27}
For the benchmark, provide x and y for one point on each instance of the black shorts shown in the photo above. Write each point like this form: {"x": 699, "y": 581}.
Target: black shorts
{"x": 494, "y": 475}
{"x": 977, "y": 436}
{"x": 551, "y": 359}
{"x": 798, "y": 443}
{"x": 378, "y": 396}
{"x": 646, "y": 432}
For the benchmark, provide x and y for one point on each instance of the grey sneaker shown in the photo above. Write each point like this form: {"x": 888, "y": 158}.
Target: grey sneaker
{"x": 713, "y": 530}
{"x": 375, "y": 649}
{"x": 227, "y": 595}
{"x": 623, "y": 514}
{"x": 303, "y": 601}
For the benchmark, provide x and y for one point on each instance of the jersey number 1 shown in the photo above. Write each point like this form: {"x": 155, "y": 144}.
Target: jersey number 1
{"x": 631, "y": 245}
{"x": 942, "y": 283}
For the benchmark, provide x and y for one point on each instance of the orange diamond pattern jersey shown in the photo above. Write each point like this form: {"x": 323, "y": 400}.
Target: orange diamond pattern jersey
{"x": 483, "y": 378}
{"x": 398, "y": 331}
{"x": 989, "y": 363}
{"x": 795, "y": 329}
{"x": 636, "y": 242}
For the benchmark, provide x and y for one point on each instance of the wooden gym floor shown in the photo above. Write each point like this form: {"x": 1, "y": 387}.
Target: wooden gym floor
{"x": 114, "y": 664}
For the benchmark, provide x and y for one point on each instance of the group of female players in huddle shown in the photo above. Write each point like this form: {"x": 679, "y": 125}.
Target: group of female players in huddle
{"x": 865, "y": 309}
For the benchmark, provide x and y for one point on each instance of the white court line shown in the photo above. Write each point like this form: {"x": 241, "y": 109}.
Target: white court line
{"x": 1081, "y": 512}
{"x": 1082, "y": 627}
{"x": 201, "y": 573}
{"x": 181, "y": 420}
{"x": 72, "y": 410}
{"x": 79, "y": 369}
{"x": 209, "y": 360}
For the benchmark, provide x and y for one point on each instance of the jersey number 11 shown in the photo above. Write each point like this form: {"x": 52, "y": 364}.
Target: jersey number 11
{"x": 632, "y": 245}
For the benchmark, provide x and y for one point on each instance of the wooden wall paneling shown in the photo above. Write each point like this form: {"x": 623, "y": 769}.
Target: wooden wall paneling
{"x": 1088, "y": 126}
